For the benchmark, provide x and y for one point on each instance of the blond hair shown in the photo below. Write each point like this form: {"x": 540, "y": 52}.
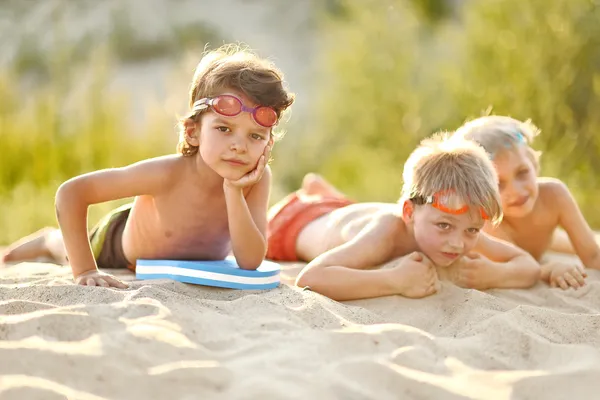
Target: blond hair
{"x": 235, "y": 68}
{"x": 443, "y": 163}
{"x": 498, "y": 133}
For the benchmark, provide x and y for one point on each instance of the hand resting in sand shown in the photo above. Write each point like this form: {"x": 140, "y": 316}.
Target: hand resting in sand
{"x": 564, "y": 274}
{"x": 416, "y": 276}
{"x": 98, "y": 278}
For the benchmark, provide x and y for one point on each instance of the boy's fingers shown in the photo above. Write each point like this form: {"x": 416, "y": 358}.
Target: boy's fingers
{"x": 117, "y": 283}
{"x": 90, "y": 282}
{"x": 581, "y": 269}
{"x": 579, "y": 277}
{"x": 102, "y": 282}
{"x": 562, "y": 283}
{"x": 571, "y": 280}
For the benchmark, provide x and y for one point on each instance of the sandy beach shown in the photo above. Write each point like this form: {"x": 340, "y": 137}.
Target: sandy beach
{"x": 168, "y": 340}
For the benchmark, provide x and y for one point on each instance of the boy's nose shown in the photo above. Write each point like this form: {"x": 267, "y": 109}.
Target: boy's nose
{"x": 238, "y": 146}
{"x": 456, "y": 243}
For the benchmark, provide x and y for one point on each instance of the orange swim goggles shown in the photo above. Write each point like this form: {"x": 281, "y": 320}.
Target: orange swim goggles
{"x": 447, "y": 201}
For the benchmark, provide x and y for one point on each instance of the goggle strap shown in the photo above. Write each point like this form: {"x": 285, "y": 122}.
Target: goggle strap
{"x": 200, "y": 105}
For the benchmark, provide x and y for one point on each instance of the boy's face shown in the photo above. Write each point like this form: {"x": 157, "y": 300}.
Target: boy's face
{"x": 444, "y": 237}
{"x": 517, "y": 182}
{"x": 232, "y": 146}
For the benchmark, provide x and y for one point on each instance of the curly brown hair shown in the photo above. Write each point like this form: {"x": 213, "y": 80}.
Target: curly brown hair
{"x": 239, "y": 69}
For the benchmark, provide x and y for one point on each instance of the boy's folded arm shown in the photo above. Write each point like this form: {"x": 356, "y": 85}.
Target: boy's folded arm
{"x": 513, "y": 266}
{"x": 75, "y": 196}
{"x": 248, "y": 223}
{"x": 345, "y": 272}
{"x": 573, "y": 222}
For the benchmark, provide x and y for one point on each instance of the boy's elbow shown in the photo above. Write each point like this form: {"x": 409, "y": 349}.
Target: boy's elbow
{"x": 252, "y": 262}
{"x": 531, "y": 272}
{"x": 64, "y": 194}
{"x": 69, "y": 195}
{"x": 250, "y": 265}
{"x": 310, "y": 276}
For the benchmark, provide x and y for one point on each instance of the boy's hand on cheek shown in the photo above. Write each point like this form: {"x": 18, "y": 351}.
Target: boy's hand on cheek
{"x": 253, "y": 176}
{"x": 416, "y": 276}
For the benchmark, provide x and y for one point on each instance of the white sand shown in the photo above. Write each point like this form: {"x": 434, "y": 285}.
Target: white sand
{"x": 168, "y": 340}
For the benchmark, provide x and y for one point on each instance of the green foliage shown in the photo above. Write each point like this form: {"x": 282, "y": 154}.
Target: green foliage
{"x": 391, "y": 77}
{"x": 52, "y": 132}
{"x": 389, "y": 73}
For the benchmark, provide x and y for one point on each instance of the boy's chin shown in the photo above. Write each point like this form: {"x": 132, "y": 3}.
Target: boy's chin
{"x": 443, "y": 262}
{"x": 229, "y": 174}
{"x": 521, "y": 211}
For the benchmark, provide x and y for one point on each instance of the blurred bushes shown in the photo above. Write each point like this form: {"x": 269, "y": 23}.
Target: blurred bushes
{"x": 58, "y": 128}
{"x": 393, "y": 71}
{"x": 388, "y": 73}
{"x": 58, "y": 118}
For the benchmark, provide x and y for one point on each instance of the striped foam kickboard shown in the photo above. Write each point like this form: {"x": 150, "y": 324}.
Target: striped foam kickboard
{"x": 223, "y": 273}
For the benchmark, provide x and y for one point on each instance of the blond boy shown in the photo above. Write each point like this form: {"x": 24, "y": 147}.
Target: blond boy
{"x": 534, "y": 207}
{"x": 450, "y": 189}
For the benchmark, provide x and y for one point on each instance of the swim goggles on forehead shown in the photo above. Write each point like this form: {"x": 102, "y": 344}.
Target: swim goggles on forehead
{"x": 230, "y": 106}
{"x": 519, "y": 138}
{"x": 446, "y": 201}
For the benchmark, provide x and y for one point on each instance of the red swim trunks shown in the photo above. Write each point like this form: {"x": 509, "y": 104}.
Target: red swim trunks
{"x": 288, "y": 217}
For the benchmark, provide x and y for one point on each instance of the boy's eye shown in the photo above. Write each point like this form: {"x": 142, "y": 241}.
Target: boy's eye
{"x": 256, "y": 136}
{"x": 222, "y": 129}
{"x": 443, "y": 225}
{"x": 473, "y": 231}
{"x": 523, "y": 172}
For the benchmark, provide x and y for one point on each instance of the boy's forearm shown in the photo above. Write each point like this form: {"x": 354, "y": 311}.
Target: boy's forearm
{"x": 593, "y": 262}
{"x": 72, "y": 220}
{"x": 545, "y": 271}
{"x": 342, "y": 284}
{"x": 520, "y": 272}
{"x": 247, "y": 242}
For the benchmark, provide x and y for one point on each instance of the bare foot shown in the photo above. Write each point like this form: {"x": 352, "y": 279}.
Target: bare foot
{"x": 314, "y": 184}
{"x": 29, "y": 248}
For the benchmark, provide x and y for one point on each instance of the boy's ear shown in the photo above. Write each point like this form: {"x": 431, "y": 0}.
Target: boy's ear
{"x": 191, "y": 132}
{"x": 408, "y": 211}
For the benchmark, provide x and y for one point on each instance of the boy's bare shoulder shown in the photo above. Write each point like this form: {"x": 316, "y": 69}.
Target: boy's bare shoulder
{"x": 552, "y": 187}
{"x": 387, "y": 223}
{"x": 161, "y": 173}
{"x": 165, "y": 167}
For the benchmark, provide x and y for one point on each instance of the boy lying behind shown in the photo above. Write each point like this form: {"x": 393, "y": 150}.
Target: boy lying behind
{"x": 450, "y": 190}
{"x": 534, "y": 207}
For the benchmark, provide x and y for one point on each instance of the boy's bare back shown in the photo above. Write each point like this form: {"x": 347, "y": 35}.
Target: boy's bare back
{"x": 342, "y": 225}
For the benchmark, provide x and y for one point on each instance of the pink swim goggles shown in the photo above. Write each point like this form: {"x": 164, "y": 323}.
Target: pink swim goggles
{"x": 230, "y": 106}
